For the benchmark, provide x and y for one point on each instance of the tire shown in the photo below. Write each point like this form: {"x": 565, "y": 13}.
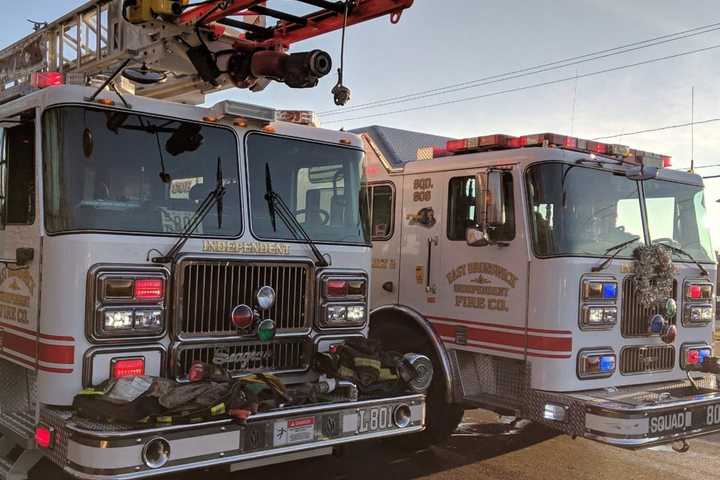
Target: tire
{"x": 441, "y": 418}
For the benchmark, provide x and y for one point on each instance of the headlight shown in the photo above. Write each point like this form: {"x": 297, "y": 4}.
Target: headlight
{"x": 343, "y": 315}
{"x": 148, "y": 319}
{"x": 597, "y": 316}
{"x": 699, "y": 314}
{"x": 118, "y": 320}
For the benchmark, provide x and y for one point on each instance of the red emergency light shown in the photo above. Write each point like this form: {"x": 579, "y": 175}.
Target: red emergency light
{"x": 128, "y": 367}
{"x": 47, "y": 79}
{"x": 44, "y": 436}
{"x": 149, "y": 288}
{"x": 550, "y": 140}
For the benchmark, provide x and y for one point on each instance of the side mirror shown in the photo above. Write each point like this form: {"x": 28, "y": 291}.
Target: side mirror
{"x": 494, "y": 200}
{"x": 490, "y": 203}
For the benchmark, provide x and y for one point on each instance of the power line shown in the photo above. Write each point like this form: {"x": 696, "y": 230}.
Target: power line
{"x": 528, "y": 87}
{"x": 542, "y": 68}
{"x": 659, "y": 129}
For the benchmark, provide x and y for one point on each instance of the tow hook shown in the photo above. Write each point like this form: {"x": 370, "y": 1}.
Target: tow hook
{"x": 680, "y": 446}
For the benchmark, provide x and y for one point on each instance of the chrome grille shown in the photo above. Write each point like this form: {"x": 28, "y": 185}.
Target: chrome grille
{"x": 635, "y": 320}
{"x": 645, "y": 359}
{"x": 282, "y": 355}
{"x": 208, "y": 290}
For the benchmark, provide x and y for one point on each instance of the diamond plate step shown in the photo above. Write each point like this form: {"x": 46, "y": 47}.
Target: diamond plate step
{"x": 20, "y": 426}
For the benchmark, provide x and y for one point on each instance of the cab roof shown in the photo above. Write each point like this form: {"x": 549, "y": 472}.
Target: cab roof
{"x": 399, "y": 146}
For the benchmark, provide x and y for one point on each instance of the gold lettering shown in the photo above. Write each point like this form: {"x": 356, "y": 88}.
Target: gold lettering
{"x": 225, "y": 246}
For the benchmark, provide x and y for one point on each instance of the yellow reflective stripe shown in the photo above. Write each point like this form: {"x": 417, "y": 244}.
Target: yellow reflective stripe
{"x": 367, "y": 362}
{"x": 218, "y": 409}
{"x": 164, "y": 419}
{"x": 346, "y": 372}
{"x": 386, "y": 374}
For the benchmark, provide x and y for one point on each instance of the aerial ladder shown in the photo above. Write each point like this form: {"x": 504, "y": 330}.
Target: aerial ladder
{"x": 180, "y": 51}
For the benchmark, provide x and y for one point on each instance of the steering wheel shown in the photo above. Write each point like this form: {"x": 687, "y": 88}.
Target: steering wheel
{"x": 671, "y": 241}
{"x": 324, "y": 214}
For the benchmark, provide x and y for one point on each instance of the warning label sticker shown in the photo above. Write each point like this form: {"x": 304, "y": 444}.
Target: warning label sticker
{"x": 297, "y": 430}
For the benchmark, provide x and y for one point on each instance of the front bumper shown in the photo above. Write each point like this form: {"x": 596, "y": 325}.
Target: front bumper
{"x": 101, "y": 451}
{"x": 635, "y": 417}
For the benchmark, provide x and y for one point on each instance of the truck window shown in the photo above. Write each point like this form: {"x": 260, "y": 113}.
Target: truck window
{"x": 18, "y": 164}
{"x": 322, "y": 185}
{"x": 381, "y": 208}
{"x": 462, "y": 194}
{"x": 115, "y": 171}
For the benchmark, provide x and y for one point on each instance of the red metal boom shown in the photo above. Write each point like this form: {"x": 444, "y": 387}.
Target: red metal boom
{"x": 290, "y": 28}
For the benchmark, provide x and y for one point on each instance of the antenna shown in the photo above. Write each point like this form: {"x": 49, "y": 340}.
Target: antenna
{"x": 692, "y": 129}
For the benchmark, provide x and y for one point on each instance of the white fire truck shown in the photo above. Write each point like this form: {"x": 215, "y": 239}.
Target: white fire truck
{"x": 141, "y": 233}
{"x": 517, "y": 253}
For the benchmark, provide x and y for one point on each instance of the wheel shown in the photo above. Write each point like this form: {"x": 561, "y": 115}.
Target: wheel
{"x": 441, "y": 418}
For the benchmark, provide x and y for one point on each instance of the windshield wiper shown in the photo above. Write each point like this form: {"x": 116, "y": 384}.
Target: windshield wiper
{"x": 683, "y": 252}
{"x": 213, "y": 198}
{"x": 278, "y": 207}
{"x": 617, "y": 249}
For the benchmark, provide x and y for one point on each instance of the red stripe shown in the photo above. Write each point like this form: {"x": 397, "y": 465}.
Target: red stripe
{"x": 64, "y": 354}
{"x": 19, "y": 344}
{"x": 31, "y": 364}
{"x": 552, "y": 344}
{"x": 506, "y": 350}
{"x": 509, "y": 327}
{"x": 41, "y": 335}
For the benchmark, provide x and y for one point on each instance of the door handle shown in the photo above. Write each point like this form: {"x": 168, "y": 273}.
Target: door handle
{"x": 431, "y": 241}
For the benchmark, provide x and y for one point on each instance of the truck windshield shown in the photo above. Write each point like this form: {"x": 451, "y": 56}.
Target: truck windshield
{"x": 323, "y": 185}
{"x": 117, "y": 171}
{"x": 583, "y": 211}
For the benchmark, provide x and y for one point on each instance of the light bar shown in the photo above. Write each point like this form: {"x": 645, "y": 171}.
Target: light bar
{"x": 301, "y": 117}
{"x": 245, "y": 110}
{"x": 474, "y": 144}
{"x": 545, "y": 140}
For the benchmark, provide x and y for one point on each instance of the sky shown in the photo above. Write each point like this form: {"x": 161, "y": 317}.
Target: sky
{"x": 440, "y": 43}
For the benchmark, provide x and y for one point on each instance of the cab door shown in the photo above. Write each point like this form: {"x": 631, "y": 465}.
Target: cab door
{"x": 20, "y": 240}
{"x": 482, "y": 289}
{"x": 386, "y": 232}
{"x": 423, "y": 224}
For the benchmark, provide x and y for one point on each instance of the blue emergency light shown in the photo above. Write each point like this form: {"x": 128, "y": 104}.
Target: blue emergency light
{"x": 607, "y": 363}
{"x": 609, "y": 291}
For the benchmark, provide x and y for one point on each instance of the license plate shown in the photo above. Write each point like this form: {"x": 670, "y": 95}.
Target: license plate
{"x": 374, "y": 419}
{"x": 690, "y": 419}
